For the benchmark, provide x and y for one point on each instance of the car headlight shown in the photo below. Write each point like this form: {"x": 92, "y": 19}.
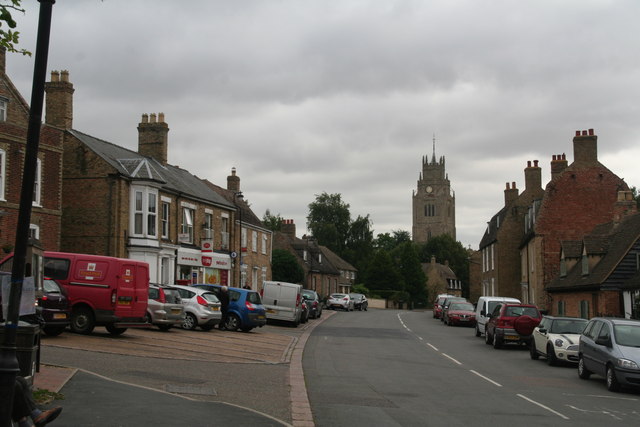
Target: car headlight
{"x": 558, "y": 342}
{"x": 627, "y": 364}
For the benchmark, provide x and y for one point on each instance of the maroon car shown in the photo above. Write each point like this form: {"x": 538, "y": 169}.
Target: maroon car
{"x": 460, "y": 313}
{"x": 511, "y": 323}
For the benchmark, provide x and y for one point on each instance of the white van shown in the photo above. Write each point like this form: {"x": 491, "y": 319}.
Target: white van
{"x": 282, "y": 301}
{"x": 485, "y": 306}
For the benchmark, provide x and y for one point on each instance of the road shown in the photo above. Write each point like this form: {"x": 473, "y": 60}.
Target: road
{"x": 402, "y": 368}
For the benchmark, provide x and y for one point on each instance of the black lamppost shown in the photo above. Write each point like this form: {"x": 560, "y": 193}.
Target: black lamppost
{"x": 239, "y": 198}
{"x": 9, "y": 367}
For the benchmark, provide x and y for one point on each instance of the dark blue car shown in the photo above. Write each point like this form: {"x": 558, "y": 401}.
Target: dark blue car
{"x": 245, "y": 308}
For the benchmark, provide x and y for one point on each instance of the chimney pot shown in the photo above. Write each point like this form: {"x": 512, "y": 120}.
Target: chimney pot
{"x": 584, "y": 133}
{"x": 577, "y": 133}
{"x": 535, "y": 163}
{"x": 145, "y": 118}
{"x": 160, "y": 117}
{"x": 591, "y": 132}
{"x": 528, "y": 163}
{"x": 152, "y": 118}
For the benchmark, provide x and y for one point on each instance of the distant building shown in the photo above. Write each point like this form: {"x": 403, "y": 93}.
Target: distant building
{"x": 441, "y": 279}
{"x": 434, "y": 203}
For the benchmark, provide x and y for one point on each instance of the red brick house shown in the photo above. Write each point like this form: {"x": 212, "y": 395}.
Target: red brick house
{"x": 600, "y": 274}
{"x": 577, "y": 198}
{"x": 47, "y": 206}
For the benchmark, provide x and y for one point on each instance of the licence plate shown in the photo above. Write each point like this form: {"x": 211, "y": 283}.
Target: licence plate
{"x": 59, "y": 316}
{"x": 124, "y": 302}
{"x": 261, "y": 317}
{"x": 464, "y": 320}
{"x": 270, "y": 310}
{"x": 176, "y": 311}
{"x": 512, "y": 337}
{"x": 215, "y": 308}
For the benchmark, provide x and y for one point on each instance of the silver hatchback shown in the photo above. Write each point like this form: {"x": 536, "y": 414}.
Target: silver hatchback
{"x": 202, "y": 308}
{"x": 611, "y": 348}
{"x": 164, "y": 308}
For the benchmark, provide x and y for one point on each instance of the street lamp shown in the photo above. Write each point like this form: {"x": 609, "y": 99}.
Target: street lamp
{"x": 239, "y": 198}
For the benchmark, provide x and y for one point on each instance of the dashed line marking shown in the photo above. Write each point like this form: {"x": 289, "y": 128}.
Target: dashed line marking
{"x": 485, "y": 378}
{"x": 543, "y": 406}
{"x": 451, "y": 358}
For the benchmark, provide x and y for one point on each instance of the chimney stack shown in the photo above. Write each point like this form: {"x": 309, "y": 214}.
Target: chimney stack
{"x": 558, "y": 164}
{"x": 510, "y": 193}
{"x": 624, "y": 206}
{"x": 532, "y": 176}
{"x": 288, "y": 227}
{"x": 585, "y": 147}
{"x": 59, "y": 100}
{"x": 153, "y": 138}
{"x": 233, "y": 181}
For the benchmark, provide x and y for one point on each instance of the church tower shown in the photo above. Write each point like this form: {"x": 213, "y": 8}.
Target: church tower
{"x": 434, "y": 203}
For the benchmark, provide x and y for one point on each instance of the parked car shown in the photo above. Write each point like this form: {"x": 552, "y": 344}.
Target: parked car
{"x": 201, "y": 307}
{"x": 245, "y": 308}
{"x": 164, "y": 308}
{"x": 485, "y": 306}
{"x": 511, "y": 323}
{"x": 557, "y": 339}
{"x": 360, "y": 302}
{"x": 611, "y": 348}
{"x": 342, "y": 301}
{"x": 313, "y": 300}
{"x": 446, "y": 303}
{"x": 437, "y": 305}
{"x": 52, "y": 306}
{"x": 304, "y": 314}
{"x": 460, "y": 313}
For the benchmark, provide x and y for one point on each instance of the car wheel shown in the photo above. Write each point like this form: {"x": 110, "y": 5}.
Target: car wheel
{"x": 53, "y": 331}
{"x": 497, "y": 342}
{"x": 583, "y": 372}
{"x": 190, "y": 322}
{"x": 115, "y": 331}
{"x": 82, "y": 321}
{"x": 477, "y": 331}
{"x": 532, "y": 351}
{"x": 233, "y": 322}
{"x": 552, "y": 360}
{"x": 612, "y": 381}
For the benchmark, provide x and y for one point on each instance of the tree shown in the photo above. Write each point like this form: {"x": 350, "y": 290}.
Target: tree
{"x": 272, "y": 222}
{"x": 445, "y": 248}
{"x": 412, "y": 275}
{"x": 329, "y": 220}
{"x": 9, "y": 38}
{"x": 359, "y": 245}
{"x": 389, "y": 242}
{"x": 383, "y": 277}
{"x": 285, "y": 267}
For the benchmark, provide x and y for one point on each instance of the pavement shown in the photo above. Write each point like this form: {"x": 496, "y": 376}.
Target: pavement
{"x": 90, "y": 399}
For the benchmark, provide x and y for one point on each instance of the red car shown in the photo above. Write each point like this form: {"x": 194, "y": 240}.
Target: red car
{"x": 511, "y": 323}
{"x": 437, "y": 305}
{"x": 460, "y": 313}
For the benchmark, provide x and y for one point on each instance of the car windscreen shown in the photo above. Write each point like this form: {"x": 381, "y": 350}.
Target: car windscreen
{"x": 562, "y": 326}
{"x": 460, "y": 306}
{"x": 521, "y": 311}
{"x": 254, "y": 298}
{"x": 627, "y": 335}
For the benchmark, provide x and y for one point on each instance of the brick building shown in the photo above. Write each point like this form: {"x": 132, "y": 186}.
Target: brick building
{"x": 47, "y": 203}
{"x": 599, "y": 274}
{"x": 440, "y": 279}
{"x": 250, "y": 241}
{"x": 136, "y": 205}
{"x": 577, "y": 198}
{"x": 499, "y": 247}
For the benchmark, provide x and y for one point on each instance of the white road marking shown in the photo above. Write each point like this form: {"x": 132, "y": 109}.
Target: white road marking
{"x": 485, "y": 378}
{"x": 601, "y": 396}
{"x": 433, "y": 347}
{"x": 451, "y": 358}
{"x": 543, "y": 406}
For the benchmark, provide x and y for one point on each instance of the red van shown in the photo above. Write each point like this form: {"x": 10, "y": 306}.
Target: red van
{"x": 103, "y": 291}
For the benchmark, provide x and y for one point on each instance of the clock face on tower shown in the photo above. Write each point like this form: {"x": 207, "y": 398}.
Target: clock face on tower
{"x": 429, "y": 189}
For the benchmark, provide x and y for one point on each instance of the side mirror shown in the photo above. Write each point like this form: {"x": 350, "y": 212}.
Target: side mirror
{"x": 542, "y": 331}
{"x": 483, "y": 313}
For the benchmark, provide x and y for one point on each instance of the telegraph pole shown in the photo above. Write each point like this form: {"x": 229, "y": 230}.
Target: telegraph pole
{"x": 8, "y": 361}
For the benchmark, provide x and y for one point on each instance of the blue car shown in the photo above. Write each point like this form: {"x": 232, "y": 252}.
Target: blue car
{"x": 245, "y": 308}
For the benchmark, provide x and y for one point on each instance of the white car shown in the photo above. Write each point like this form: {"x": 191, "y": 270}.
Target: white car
{"x": 342, "y": 301}
{"x": 201, "y": 307}
{"x": 557, "y": 339}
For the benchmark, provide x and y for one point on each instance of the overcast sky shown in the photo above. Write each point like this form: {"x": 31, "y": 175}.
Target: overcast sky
{"x": 344, "y": 96}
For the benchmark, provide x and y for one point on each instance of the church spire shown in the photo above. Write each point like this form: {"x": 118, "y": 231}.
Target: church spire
{"x": 433, "y": 157}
